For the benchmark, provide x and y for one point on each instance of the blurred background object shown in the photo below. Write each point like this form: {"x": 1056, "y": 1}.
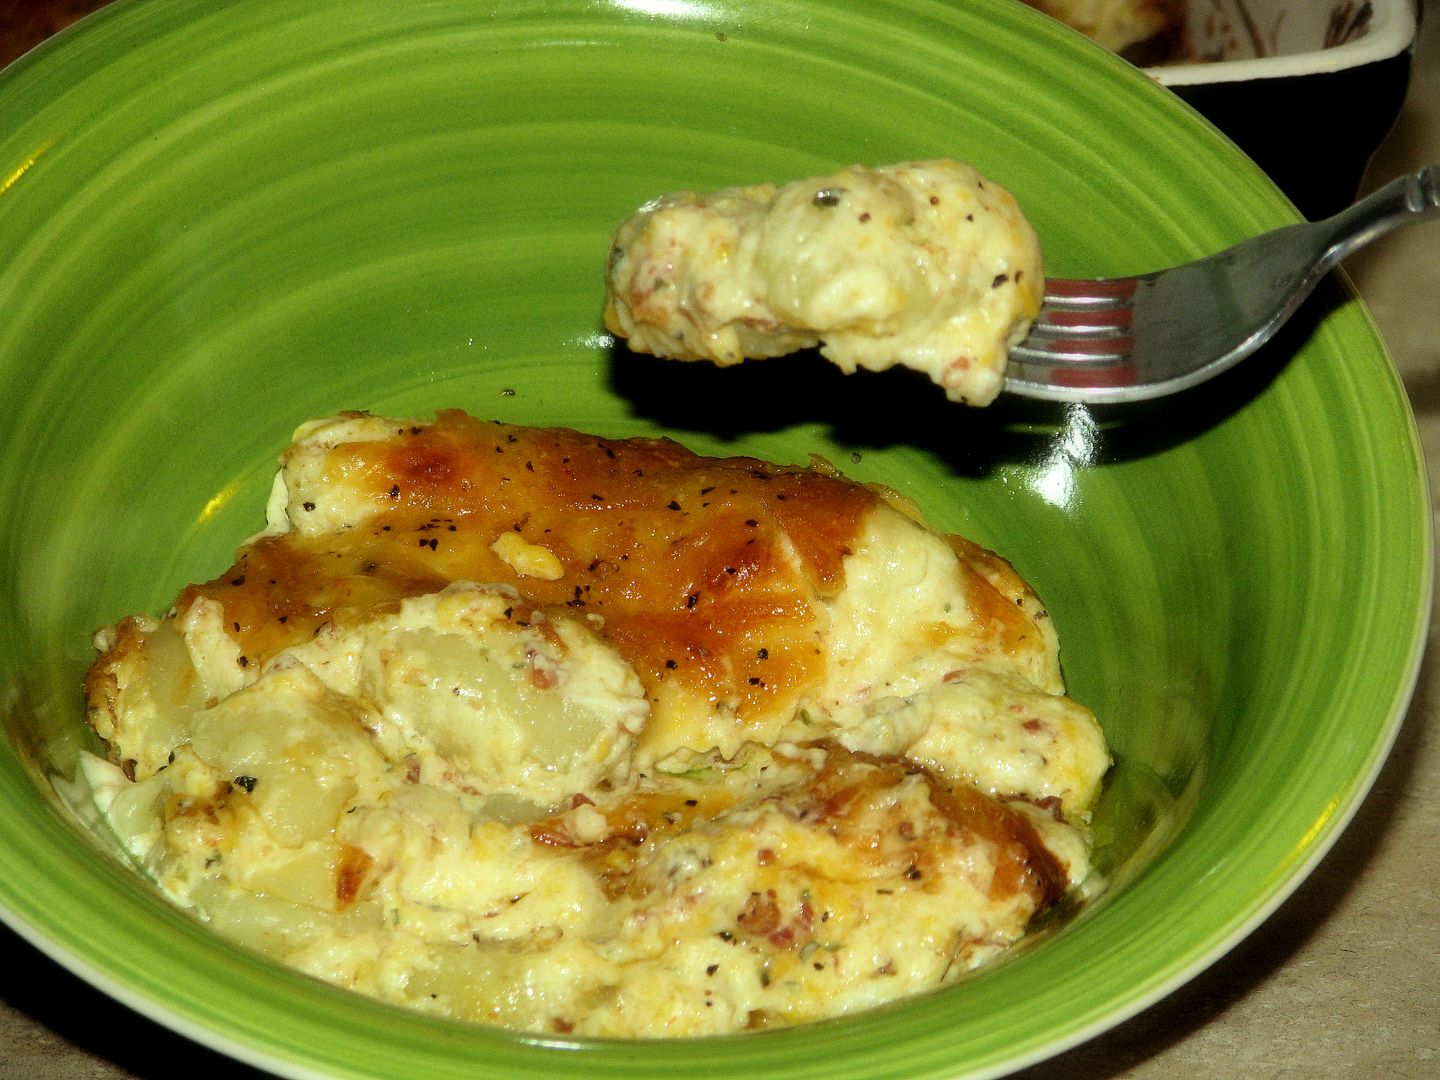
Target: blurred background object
{"x": 26, "y": 23}
{"x": 1308, "y": 88}
{"x": 1142, "y": 31}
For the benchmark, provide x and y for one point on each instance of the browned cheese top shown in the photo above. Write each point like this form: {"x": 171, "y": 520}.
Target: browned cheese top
{"x": 705, "y": 571}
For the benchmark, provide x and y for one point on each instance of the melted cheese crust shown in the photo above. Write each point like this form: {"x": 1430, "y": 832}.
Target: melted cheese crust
{"x": 924, "y": 264}
{"x": 579, "y": 735}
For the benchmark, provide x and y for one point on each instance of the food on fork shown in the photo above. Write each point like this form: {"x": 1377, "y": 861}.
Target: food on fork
{"x": 924, "y": 264}
{"x": 598, "y": 737}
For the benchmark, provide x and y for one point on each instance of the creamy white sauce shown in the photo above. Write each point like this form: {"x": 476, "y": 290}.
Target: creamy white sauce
{"x": 364, "y": 805}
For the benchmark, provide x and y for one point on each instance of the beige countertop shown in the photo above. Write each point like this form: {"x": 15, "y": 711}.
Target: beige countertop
{"x": 1342, "y": 981}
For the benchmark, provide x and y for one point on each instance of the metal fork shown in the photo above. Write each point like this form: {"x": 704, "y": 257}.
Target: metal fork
{"x": 1132, "y": 338}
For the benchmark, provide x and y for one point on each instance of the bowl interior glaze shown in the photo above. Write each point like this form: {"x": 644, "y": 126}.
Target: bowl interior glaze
{"x": 220, "y": 220}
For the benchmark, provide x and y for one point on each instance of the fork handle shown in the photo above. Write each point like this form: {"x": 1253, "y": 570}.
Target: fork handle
{"x": 1400, "y": 202}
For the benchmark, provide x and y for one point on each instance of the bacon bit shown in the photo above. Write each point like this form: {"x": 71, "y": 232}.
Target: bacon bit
{"x": 765, "y": 857}
{"x": 551, "y": 834}
{"x": 761, "y": 914}
{"x": 543, "y": 675}
{"x": 412, "y": 771}
{"x": 614, "y": 883}
{"x": 561, "y": 1025}
{"x": 580, "y": 799}
{"x": 1033, "y": 724}
{"x": 1052, "y": 804}
{"x": 355, "y": 864}
{"x": 783, "y": 938}
{"x": 128, "y": 768}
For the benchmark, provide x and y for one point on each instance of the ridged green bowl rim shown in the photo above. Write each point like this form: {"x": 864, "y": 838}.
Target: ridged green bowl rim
{"x": 218, "y": 219}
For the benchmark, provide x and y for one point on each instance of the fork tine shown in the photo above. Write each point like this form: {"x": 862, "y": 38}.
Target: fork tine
{"x": 1036, "y": 349}
{"x": 1077, "y": 294}
{"x": 1064, "y": 323}
{"x": 1084, "y": 322}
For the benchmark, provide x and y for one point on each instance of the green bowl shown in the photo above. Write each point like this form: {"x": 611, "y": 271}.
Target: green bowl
{"x": 218, "y": 219}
